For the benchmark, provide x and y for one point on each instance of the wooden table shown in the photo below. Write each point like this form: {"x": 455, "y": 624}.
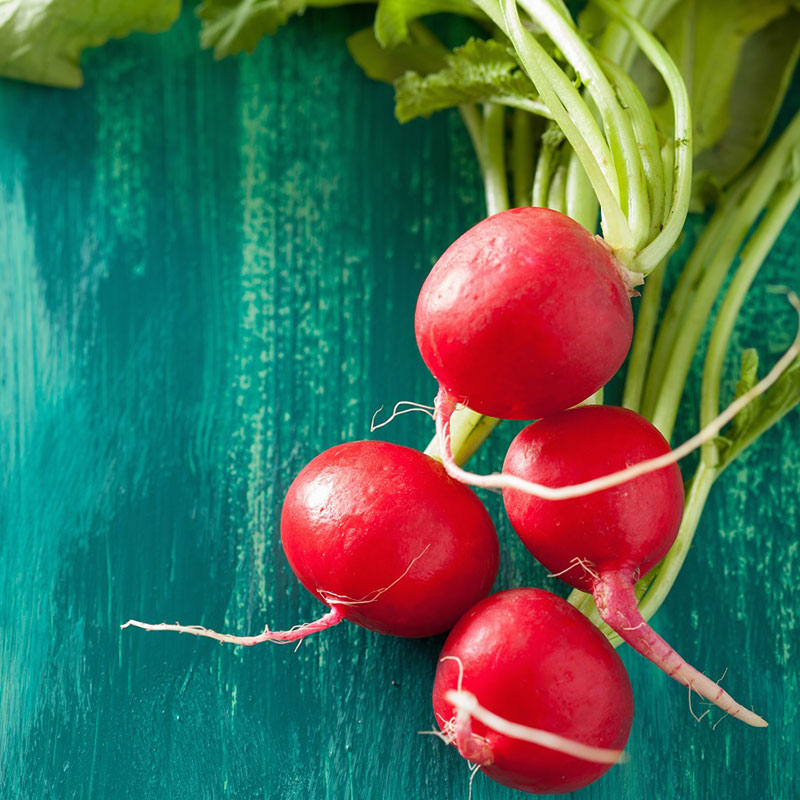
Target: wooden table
{"x": 207, "y": 275}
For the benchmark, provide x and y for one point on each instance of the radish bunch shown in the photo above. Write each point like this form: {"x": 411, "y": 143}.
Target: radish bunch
{"x": 525, "y": 316}
{"x": 527, "y": 688}
{"x": 516, "y": 269}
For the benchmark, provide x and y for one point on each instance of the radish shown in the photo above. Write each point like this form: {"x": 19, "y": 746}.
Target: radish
{"x": 386, "y": 539}
{"x": 526, "y": 314}
{"x": 522, "y": 659}
{"x": 604, "y": 541}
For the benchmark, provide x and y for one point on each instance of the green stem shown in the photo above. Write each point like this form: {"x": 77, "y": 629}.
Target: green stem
{"x": 557, "y": 193}
{"x": 649, "y": 13}
{"x": 523, "y": 104}
{"x": 580, "y": 200}
{"x": 551, "y": 141}
{"x": 646, "y": 138}
{"x": 615, "y": 38}
{"x": 522, "y": 146}
{"x": 617, "y": 124}
{"x": 575, "y": 119}
{"x": 670, "y": 328}
{"x": 752, "y": 258}
{"x": 468, "y": 431}
{"x": 474, "y": 125}
{"x": 662, "y": 577}
{"x": 769, "y": 172}
{"x": 643, "y": 338}
{"x": 494, "y": 134}
{"x": 649, "y": 258}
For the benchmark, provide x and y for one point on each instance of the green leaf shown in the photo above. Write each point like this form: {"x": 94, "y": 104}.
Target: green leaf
{"x": 478, "y": 71}
{"x": 42, "y": 40}
{"x": 706, "y": 37}
{"x": 775, "y": 403}
{"x": 737, "y": 59}
{"x": 768, "y": 60}
{"x": 393, "y": 16}
{"x": 233, "y": 26}
{"x": 389, "y": 63}
{"x": 748, "y": 377}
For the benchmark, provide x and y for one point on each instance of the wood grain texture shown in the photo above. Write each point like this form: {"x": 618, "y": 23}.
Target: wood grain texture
{"x": 207, "y": 275}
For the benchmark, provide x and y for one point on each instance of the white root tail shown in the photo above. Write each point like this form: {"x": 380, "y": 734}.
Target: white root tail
{"x": 333, "y": 617}
{"x": 335, "y": 601}
{"x": 445, "y": 405}
{"x": 616, "y": 602}
{"x": 467, "y": 705}
{"x": 373, "y": 426}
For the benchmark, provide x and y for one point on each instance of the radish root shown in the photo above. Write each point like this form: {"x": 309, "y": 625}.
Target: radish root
{"x": 577, "y": 561}
{"x": 616, "y": 601}
{"x": 429, "y": 410}
{"x": 295, "y": 634}
{"x": 458, "y": 729}
{"x": 468, "y": 708}
{"x": 331, "y": 598}
{"x": 445, "y": 406}
{"x": 333, "y": 617}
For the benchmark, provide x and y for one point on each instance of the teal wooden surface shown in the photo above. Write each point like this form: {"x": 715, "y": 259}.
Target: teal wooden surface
{"x": 207, "y": 275}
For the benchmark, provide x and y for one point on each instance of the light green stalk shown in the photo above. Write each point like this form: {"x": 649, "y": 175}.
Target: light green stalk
{"x": 624, "y": 149}
{"x": 522, "y": 147}
{"x": 649, "y": 258}
{"x": 768, "y": 174}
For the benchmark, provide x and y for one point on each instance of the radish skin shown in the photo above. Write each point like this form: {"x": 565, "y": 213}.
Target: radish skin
{"x": 601, "y": 543}
{"x": 385, "y": 538}
{"x": 530, "y": 690}
{"x": 526, "y": 314}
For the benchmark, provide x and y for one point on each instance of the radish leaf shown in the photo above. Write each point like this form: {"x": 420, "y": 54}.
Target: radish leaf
{"x": 763, "y": 413}
{"x": 387, "y": 64}
{"x": 42, "y": 40}
{"x": 393, "y": 16}
{"x": 478, "y": 71}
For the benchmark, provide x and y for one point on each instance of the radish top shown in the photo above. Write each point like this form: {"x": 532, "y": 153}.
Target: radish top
{"x": 524, "y": 315}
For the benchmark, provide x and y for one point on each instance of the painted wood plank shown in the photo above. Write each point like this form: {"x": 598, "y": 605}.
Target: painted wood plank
{"x": 207, "y": 275}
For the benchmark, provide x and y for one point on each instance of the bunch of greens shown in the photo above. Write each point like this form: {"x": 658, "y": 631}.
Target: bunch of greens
{"x": 640, "y": 111}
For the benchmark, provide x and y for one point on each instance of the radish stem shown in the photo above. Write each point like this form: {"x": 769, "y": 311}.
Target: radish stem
{"x": 616, "y": 602}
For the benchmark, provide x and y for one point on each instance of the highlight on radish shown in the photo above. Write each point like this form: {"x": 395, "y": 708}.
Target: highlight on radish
{"x": 604, "y": 541}
{"x": 531, "y": 692}
{"x": 381, "y": 535}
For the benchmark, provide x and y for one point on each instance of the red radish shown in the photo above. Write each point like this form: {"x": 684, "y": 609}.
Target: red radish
{"x": 602, "y": 542}
{"x": 384, "y": 537}
{"x": 532, "y": 659}
{"x": 524, "y": 315}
